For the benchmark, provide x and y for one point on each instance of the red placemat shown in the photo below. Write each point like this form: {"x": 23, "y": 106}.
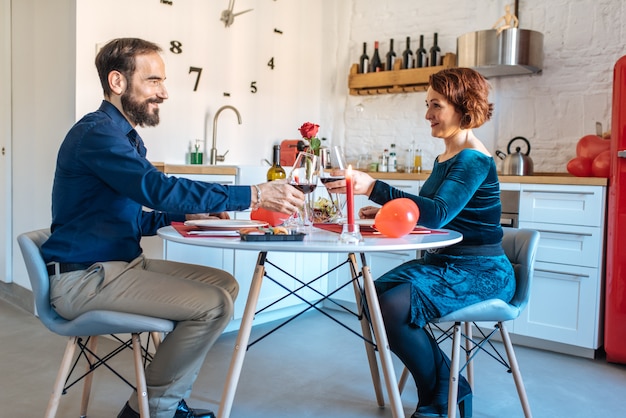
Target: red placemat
{"x": 368, "y": 231}
{"x": 185, "y": 230}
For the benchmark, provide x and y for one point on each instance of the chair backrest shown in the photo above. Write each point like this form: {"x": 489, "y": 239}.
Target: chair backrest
{"x": 30, "y": 244}
{"x": 520, "y": 246}
{"x": 97, "y": 322}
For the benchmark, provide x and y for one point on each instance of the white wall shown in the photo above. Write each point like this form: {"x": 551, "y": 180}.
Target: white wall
{"x": 43, "y": 109}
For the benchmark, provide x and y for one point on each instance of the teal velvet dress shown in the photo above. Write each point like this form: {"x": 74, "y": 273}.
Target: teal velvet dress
{"x": 461, "y": 194}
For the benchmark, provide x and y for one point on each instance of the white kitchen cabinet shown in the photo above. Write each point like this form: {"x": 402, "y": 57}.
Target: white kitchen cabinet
{"x": 565, "y": 303}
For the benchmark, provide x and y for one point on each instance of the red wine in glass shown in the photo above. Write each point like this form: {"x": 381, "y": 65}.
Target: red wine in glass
{"x": 305, "y": 188}
{"x": 325, "y": 180}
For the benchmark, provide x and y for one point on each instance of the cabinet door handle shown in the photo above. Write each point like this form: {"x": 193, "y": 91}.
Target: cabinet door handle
{"x": 558, "y": 191}
{"x": 620, "y": 154}
{"x": 563, "y": 272}
{"x": 583, "y": 234}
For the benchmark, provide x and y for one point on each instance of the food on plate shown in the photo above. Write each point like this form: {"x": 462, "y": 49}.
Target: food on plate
{"x": 323, "y": 210}
{"x": 271, "y": 230}
{"x": 255, "y": 231}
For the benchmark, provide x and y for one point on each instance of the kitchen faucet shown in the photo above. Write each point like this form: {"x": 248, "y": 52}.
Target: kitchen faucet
{"x": 214, "y": 158}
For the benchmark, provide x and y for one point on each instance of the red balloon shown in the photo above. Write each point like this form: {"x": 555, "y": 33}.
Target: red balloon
{"x": 397, "y": 217}
{"x": 601, "y": 165}
{"x": 272, "y": 218}
{"x": 590, "y": 146}
{"x": 579, "y": 166}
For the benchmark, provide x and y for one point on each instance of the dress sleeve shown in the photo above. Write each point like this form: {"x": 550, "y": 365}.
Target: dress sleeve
{"x": 455, "y": 189}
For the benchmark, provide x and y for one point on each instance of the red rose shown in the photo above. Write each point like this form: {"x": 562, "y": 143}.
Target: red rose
{"x": 309, "y": 130}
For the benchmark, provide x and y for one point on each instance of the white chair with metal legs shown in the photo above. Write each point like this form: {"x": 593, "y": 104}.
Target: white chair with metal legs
{"x": 520, "y": 246}
{"x": 90, "y": 325}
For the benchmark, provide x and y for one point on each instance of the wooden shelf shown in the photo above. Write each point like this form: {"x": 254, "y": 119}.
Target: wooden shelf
{"x": 395, "y": 81}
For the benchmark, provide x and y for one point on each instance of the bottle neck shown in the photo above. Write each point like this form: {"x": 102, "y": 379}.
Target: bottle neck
{"x": 276, "y": 158}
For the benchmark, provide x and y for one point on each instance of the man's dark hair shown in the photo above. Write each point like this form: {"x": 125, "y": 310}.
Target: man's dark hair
{"x": 119, "y": 55}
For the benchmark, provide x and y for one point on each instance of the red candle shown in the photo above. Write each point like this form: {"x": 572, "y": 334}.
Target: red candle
{"x": 350, "y": 195}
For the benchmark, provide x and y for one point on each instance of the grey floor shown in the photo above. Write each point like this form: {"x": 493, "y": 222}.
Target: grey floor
{"x": 309, "y": 368}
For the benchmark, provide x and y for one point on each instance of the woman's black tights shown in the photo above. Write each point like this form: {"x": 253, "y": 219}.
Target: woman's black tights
{"x": 413, "y": 345}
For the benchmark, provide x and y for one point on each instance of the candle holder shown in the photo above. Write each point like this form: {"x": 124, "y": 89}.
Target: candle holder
{"x": 350, "y": 234}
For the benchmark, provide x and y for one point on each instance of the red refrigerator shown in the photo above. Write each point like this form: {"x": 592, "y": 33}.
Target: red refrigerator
{"x": 615, "y": 303}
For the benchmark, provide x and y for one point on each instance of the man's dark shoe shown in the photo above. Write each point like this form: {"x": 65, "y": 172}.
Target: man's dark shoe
{"x": 127, "y": 412}
{"x": 183, "y": 411}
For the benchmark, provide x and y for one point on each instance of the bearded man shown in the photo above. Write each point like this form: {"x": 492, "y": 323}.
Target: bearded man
{"x": 102, "y": 182}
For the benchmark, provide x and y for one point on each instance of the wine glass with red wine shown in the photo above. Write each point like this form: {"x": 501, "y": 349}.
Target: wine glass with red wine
{"x": 304, "y": 176}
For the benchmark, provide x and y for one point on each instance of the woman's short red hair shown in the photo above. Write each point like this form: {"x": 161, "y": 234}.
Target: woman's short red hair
{"x": 468, "y": 91}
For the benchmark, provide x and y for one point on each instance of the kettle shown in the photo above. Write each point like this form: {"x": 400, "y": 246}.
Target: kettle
{"x": 517, "y": 163}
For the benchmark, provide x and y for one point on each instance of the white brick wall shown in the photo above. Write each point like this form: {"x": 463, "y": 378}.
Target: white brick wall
{"x": 582, "y": 41}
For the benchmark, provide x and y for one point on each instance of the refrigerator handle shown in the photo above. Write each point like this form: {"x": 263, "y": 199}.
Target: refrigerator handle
{"x": 621, "y": 154}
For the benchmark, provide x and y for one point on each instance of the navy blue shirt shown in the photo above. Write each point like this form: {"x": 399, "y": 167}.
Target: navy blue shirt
{"x": 101, "y": 185}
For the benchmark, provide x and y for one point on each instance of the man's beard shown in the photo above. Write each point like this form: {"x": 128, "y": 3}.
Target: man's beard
{"x": 138, "y": 112}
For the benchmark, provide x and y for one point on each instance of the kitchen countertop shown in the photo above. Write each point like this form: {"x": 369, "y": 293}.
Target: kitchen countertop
{"x": 538, "y": 178}
{"x": 196, "y": 169}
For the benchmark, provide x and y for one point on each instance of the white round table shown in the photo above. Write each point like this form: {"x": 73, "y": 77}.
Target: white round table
{"x": 318, "y": 240}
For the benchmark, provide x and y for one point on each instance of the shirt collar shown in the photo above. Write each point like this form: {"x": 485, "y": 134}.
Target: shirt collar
{"x": 116, "y": 116}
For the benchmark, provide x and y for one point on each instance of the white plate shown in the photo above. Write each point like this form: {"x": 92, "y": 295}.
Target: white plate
{"x": 365, "y": 222}
{"x": 224, "y": 224}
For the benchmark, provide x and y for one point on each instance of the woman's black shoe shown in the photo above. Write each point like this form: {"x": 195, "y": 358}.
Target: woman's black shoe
{"x": 440, "y": 407}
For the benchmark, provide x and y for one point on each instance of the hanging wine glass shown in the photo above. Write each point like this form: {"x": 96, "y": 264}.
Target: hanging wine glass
{"x": 337, "y": 162}
{"x": 304, "y": 176}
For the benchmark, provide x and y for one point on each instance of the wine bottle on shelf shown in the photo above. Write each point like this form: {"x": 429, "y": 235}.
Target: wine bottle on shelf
{"x": 364, "y": 60}
{"x": 421, "y": 56}
{"x": 391, "y": 57}
{"x": 276, "y": 172}
{"x": 407, "y": 55}
{"x": 435, "y": 53}
{"x": 376, "y": 64}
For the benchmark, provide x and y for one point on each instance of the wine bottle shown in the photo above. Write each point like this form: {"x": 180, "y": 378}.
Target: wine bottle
{"x": 376, "y": 64}
{"x": 407, "y": 55}
{"x": 364, "y": 60}
{"x": 391, "y": 57}
{"x": 421, "y": 55}
{"x": 276, "y": 172}
{"x": 435, "y": 53}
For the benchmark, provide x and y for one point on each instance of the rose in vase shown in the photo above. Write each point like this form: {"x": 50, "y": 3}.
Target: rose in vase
{"x": 308, "y": 131}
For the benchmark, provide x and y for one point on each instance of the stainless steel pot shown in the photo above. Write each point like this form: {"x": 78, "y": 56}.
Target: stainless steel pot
{"x": 517, "y": 163}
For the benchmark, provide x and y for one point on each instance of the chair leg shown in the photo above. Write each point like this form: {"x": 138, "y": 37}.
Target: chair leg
{"x": 156, "y": 339}
{"x": 517, "y": 375}
{"x": 454, "y": 370}
{"x": 367, "y": 334}
{"x": 64, "y": 369}
{"x": 403, "y": 378}
{"x": 140, "y": 377}
{"x": 468, "y": 354}
{"x": 92, "y": 346}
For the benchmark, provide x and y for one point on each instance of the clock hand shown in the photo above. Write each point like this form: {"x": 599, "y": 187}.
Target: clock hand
{"x": 240, "y": 13}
